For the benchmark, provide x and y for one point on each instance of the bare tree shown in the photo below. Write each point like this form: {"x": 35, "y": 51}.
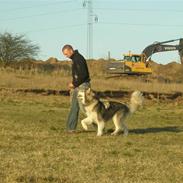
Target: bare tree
{"x": 16, "y": 47}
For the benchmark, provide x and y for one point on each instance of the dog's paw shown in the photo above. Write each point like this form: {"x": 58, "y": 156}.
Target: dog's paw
{"x": 99, "y": 134}
{"x": 85, "y": 127}
{"x": 114, "y": 133}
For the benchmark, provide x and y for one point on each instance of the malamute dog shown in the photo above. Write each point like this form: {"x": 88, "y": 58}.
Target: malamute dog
{"x": 99, "y": 112}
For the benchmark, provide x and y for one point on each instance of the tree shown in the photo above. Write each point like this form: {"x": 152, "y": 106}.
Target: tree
{"x": 16, "y": 47}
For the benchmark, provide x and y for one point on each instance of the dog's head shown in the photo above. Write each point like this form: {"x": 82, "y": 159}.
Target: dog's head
{"x": 86, "y": 96}
{"x": 137, "y": 98}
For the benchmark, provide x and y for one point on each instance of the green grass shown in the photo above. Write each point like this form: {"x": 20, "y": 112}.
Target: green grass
{"x": 35, "y": 149}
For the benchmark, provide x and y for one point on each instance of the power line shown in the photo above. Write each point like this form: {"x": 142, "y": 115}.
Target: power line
{"x": 103, "y": 23}
{"x": 41, "y": 5}
{"x": 140, "y": 1}
{"x": 41, "y": 14}
{"x": 139, "y": 24}
{"x": 140, "y": 10}
{"x": 65, "y": 11}
{"x": 55, "y": 28}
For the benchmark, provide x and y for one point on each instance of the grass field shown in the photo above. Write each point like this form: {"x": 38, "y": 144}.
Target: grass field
{"x": 59, "y": 81}
{"x": 35, "y": 149}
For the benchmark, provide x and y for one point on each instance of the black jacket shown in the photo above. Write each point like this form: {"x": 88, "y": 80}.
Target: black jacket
{"x": 80, "y": 72}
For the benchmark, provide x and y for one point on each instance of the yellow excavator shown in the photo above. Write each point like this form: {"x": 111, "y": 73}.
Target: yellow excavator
{"x": 138, "y": 64}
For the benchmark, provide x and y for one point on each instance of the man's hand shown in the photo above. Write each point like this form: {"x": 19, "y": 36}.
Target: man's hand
{"x": 71, "y": 86}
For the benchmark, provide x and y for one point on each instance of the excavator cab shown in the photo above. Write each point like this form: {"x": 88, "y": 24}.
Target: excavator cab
{"x": 136, "y": 64}
{"x": 132, "y": 58}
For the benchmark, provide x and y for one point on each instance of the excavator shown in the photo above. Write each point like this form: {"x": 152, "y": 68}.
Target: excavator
{"x": 138, "y": 64}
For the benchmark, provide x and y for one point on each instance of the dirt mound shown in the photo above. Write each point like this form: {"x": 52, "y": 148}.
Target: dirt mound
{"x": 52, "y": 60}
{"x": 171, "y": 72}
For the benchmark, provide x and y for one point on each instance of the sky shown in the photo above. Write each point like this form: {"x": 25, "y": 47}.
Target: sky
{"x": 123, "y": 25}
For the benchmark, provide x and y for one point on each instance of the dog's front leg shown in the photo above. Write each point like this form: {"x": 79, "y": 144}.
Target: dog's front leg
{"x": 85, "y": 122}
{"x": 101, "y": 125}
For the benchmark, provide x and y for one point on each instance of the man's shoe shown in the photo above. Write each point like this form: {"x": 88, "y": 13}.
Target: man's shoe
{"x": 71, "y": 131}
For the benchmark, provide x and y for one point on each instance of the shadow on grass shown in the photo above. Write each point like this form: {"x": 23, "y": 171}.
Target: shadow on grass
{"x": 174, "y": 129}
{"x": 84, "y": 131}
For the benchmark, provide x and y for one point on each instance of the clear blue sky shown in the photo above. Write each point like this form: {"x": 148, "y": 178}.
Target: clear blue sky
{"x": 123, "y": 25}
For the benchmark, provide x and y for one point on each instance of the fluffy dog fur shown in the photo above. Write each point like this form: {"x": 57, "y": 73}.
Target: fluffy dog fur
{"x": 99, "y": 112}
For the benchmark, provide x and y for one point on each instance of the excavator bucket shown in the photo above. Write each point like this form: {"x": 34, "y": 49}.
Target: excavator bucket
{"x": 181, "y": 50}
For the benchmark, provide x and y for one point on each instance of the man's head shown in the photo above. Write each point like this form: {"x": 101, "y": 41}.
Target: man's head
{"x": 68, "y": 50}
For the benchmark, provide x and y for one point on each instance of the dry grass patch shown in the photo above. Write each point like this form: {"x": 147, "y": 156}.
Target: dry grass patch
{"x": 55, "y": 81}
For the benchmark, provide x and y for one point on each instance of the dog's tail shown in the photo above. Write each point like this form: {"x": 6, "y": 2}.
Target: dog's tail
{"x": 136, "y": 101}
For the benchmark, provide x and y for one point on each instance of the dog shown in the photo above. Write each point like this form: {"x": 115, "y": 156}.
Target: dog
{"x": 99, "y": 112}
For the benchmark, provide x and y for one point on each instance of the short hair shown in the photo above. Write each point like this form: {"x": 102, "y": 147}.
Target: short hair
{"x": 67, "y": 46}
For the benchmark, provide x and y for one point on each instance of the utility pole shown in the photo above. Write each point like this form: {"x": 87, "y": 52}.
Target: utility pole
{"x": 90, "y": 20}
{"x": 109, "y": 55}
{"x": 90, "y": 30}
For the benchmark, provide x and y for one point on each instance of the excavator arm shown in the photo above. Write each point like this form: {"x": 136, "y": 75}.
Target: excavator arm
{"x": 163, "y": 47}
{"x": 181, "y": 50}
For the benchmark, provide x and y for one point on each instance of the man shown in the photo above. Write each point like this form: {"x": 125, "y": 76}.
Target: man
{"x": 80, "y": 81}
